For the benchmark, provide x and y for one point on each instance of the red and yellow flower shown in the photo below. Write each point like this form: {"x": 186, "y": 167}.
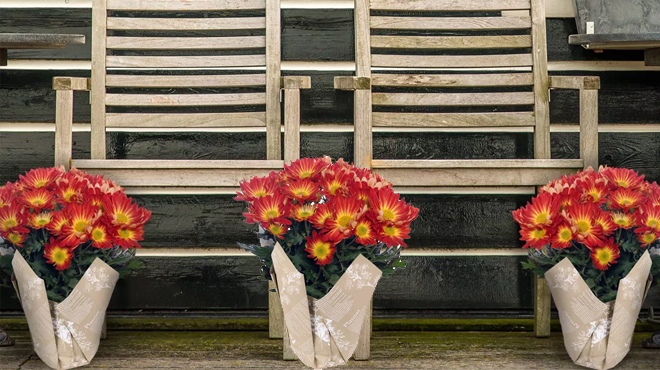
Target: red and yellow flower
{"x": 306, "y": 168}
{"x": 364, "y": 232}
{"x": 604, "y": 255}
{"x": 320, "y": 249}
{"x": 40, "y": 220}
{"x": 256, "y": 188}
{"x": 12, "y": 219}
{"x": 323, "y": 213}
{"x": 393, "y": 235}
{"x": 38, "y": 199}
{"x": 277, "y": 230}
{"x": 621, "y": 177}
{"x": 302, "y": 212}
{"x": 543, "y": 211}
{"x": 58, "y": 255}
{"x": 647, "y": 237}
{"x": 120, "y": 211}
{"x": 100, "y": 237}
{"x": 625, "y": 199}
{"x": 563, "y": 237}
{"x": 81, "y": 220}
{"x": 387, "y": 207}
{"x": 336, "y": 183}
{"x": 59, "y": 219}
{"x": 345, "y": 212}
{"x": 623, "y": 220}
{"x": 302, "y": 190}
{"x": 15, "y": 238}
{"x": 535, "y": 237}
{"x": 269, "y": 209}
{"x": 40, "y": 178}
{"x": 649, "y": 217}
{"x": 582, "y": 218}
{"x": 127, "y": 237}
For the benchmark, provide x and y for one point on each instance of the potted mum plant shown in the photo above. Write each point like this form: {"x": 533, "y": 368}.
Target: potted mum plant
{"x": 328, "y": 232}
{"x": 65, "y": 239}
{"x": 593, "y": 236}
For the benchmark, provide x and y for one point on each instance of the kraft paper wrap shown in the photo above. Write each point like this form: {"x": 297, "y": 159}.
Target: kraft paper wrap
{"x": 324, "y": 332}
{"x": 597, "y": 335}
{"x": 65, "y": 335}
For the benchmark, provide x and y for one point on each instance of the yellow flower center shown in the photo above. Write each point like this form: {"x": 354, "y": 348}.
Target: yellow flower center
{"x": 344, "y": 220}
{"x": 649, "y": 238}
{"x": 10, "y": 223}
{"x": 60, "y": 256}
{"x": 260, "y": 194}
{"x": 124, "y": 233}
{"x": 538, "y": 233}
{"x": 304, "y": 214}
{"x": 276, "y": 229}
{"x": 565, "y": 234}
{"x": 122, "y": 218}
{"x": 653, "y": 223}
{"x": 98, "y": 235}
{"x": 14, "y": 238}
{"x": 272, "y": 214}
{"x": 302, "y": 193}
{"x": 604, "y": 255}
{"x": 40, "y": 183}
{"x": 362, "y": 230}
{"x": 80, "y": 226}
{"x": 541, "y": 218}
{"x": 583, "y": 226}
{"x": 387, "y": 214}
{"x": 305, "y": 174}
{"x": 389, "y": 230}
{"x": 321, "y": 250}
{"x": 622, "y": 183}
{"x": 68, "y": 194}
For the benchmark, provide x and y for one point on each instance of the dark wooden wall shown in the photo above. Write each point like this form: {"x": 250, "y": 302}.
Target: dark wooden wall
{"x": 319, "y": 43}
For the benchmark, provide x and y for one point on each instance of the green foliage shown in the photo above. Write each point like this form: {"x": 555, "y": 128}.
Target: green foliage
{"x": 320, "y": 279}
{"x": 59, "y": 284}
{"x": 604, "y": 284}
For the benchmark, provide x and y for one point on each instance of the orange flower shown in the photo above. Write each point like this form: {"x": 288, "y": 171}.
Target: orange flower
{"x": 120, "y": 211}
{"x": 69, "y": 189}
{"x": 15, "y": 238}
{"x": 100, "y": 237}
{"x": 256, "y": 188}
{"x": 269, "y": 209}
{"x": 623, "y": 220}
{"x": 393, "y": 235}
{"x": 564, "y": 237}
{"x": 594, "y": 190}
{"x": 605, "y": 255}
{"x": 364, "y": 232}
{"x": 649, "y": 217}
{"x": 302, "y": 212}
{"x": 6, "y": 194}
{"x": 387, "y": 207}
{"x": 12, "y": 220}
{"x": 302, "y": 190}
{"x": 59, "y": 219}
{"x": 535, "y": 237}
{"x": 40, "y": 177}
{"x": 323, "y": 212}
{"x": 82, "y": 217}
{"x": 40, "y": 220}
{"x": 543, "y": 211}
{"x": 581, "y": 217}
{"x": 58, "y": 255}
{"x": 625, "y": 199}
{"x": 604, "y": 220}
{"x": 127, "y": 237}
{"x": 306, "y": 168}
{"x": 320, "y": 249}
{"x": 336, "y": 183}
{"x": 346, "y": 212}
{"x": 277, "y": 230}
{"x": 38, "y": 199}
{"x": 647, "y": 237}
{"x": 621, "y": 177}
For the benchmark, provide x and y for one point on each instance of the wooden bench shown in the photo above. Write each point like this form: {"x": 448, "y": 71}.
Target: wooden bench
{"x": 144, "y": 38}
{"x": 484, "y": 66}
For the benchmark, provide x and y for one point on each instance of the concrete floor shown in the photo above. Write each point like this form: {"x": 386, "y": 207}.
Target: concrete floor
{"x": 390, "y": 350}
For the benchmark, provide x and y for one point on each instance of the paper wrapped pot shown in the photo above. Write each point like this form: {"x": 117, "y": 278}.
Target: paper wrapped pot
{"x": 598, "y": 335}
{"x": 324, "y": 332}
{"x": 65, "y": 335}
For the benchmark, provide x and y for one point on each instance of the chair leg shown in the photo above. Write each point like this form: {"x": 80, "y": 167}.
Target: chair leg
{"x": 542, "y": 304}
{"x": 363, "y": 350}
{"x": 275, "y": 314}
{"x": 287, "y": 351}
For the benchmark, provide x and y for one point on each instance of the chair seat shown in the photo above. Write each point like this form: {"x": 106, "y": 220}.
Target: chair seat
{"x": 178, "y": 173}
{"x": 475, "y": 172}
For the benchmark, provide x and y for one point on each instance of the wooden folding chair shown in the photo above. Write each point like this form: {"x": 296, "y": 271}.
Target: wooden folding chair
{"x": 457, "y": 64}
{"x": 128, "y": 36}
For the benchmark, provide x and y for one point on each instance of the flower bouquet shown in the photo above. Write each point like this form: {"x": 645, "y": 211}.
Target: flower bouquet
{"x": 328, "y": 232}
{"x": 593, "y": 236}
{"x": 65, "y": 239}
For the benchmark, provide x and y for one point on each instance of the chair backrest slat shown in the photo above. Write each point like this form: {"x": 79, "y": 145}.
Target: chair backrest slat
{"x": 186, "y": 5}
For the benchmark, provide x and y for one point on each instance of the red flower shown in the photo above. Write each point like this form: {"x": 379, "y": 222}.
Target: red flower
{"x": 302, "y": 212}
{"x": 306, "y": 168}
{"x": 543, "y": 211}
{"x": 364, "y": 232}
{"x": 269, "y": 209}
{"x": 100, "y": 237}
{"x": 81, "y": 219}
{"x": 323, "y": 212}
{"x": 649, "y": 217}
{"x": 15, "y": 238}
{"x": 393, "y": 235}
{"x": 647, "y": 237}
{"x": 38, "y": 199}
{"x": 387, "y": 207}
{"x": 127, "y": 237}
{"x": 563, "y": 237}
{"x": 69, "y": 189}
{"x": 536, "y": 237}
{"x": 256, "y": 188}
{"x": 625, "y": 199}
{"x": 582, "y": 218}
{"x": 120, "y": 211}
{"x": 40, "y": 178}
{"x": 302, "y": 190}
{"x": 605, "y": 255}
{"x": 623, "y": 220}
{"x": 345, "y": 212}
{"x": 604, "y": 220}
{"x": 336, "y": 183}
{"x": 320, "y": 249}
{"x": 59, "y": 219}
{"x": 12, "y": 219}
{"x": 40, "y": 220}
{"x": 621, "y": 177}
{"x": 277, "y": 230}
{"x": 58, "y": 255}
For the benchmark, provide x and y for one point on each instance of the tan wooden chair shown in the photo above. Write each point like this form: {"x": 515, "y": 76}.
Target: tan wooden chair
{"x": 113, "y": 107}
{"x": 506, "y": 40}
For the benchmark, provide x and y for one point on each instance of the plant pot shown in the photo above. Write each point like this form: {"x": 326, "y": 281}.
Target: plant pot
{"x": 65, "y": 335}
{"x": 324, "y": 332}
{"x": 598, "y": 335}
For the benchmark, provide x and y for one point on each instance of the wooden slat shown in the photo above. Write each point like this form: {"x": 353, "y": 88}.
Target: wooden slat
{"x": 163, "y": 100}
{"x": 363, "y": 139}
{"x": 291, "y": 124}
{"x": 449, "y": 5}
{"x": 64, "y": 127}
{"x": 273, "y": 60}
{"x": 461, "y": 99}
{"x": 275, "y": 327}
{"x": 541, "y": 84}
{"x": 113, "y": 61}
{"x": 451, "y": 23}
{"x": 187, "y": 24}
{"x": 185, "y": 80}
{"x": 142, "y": 164}
{"x": 386, "y": 119}
{"x": 473, "y": 176}
{"x": 451, "y": 61}
{"x": 589, "y": 128}
{"x": 185, "y": 43}
{"x": 165, "y": 177}
{"x": 477, "y": 163}
{"x": 542, "y": 307}
{"x": 97, "y": 95}
{"x": 451, "y": 80}
{"x": 185, "y": 5}
{"x": 451, "y": 42}
{"x": 248, "y": 119}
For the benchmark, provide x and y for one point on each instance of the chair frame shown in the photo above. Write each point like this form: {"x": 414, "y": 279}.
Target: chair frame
{"x": 480, "y": 172}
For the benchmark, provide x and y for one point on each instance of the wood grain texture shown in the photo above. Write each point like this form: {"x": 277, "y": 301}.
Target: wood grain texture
{"x": 450, "y": 23}
{"x": 589, "y": 128}
{"x": 273, "y": 82}
{"x": 451, "y": 61}
{"x": 473, "y": 176}
{"x": 291, "y": 125}
{"x": 384, "y": 119}
{"x": 475, "y": 99}
{"x": 143, "y": 100}
{"x": 179, "y": 5}
{"x": 452, "y": 80}
{"x": 242, "y": 80}
{"x": 451, "y": 42}
{"x": 181, "y": 24}
{"x": 541, "y": 86}
{"x": 185, "y": 43}
{"x": 99, "y": 31}
{"x": 542, "y": 308}
{"x": 63, "y": 128}
{"x": 449, "y": 5}
{"x": 114, "y": 61}
{"x": 190, "y": 120}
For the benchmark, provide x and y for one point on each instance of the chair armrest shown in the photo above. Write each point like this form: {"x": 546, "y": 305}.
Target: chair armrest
{"x": 352, "y": 83}
{"x": 575, "y": 82}
{"x": 72, "y": 83}
{"x": 296, "y": 82}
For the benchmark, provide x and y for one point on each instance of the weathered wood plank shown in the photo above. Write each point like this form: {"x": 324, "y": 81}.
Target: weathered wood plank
{"x": 249, "y": 119}
{"x": 187, "y": 24}
{"x": 541, "y": 86}
{"x": 64, "y": 124}
{"x": 192, "y": 178}
{"x": 451, "y": 42}
{"x": 114, "y": 61}
{"x": 384, "y": 119}
{"x": 451, "y": 23}
{"x": 451, "y": 61}
{"x": 452, "y": 80}
{"x": 449, "y": 5}
{"x": 179, "y": 5}
{"x": 190, "y": 100}
{"x": 122, "y": 164}
{"x": 185, "y": 43}
{"x": 460, "y": 99}
{"x": 242, "y": 80}
{"x": 473, "y": 176}
{"x": 97, "y": 91}
{"x": 273, "y": 79}
{"x": 477, "y": 164}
